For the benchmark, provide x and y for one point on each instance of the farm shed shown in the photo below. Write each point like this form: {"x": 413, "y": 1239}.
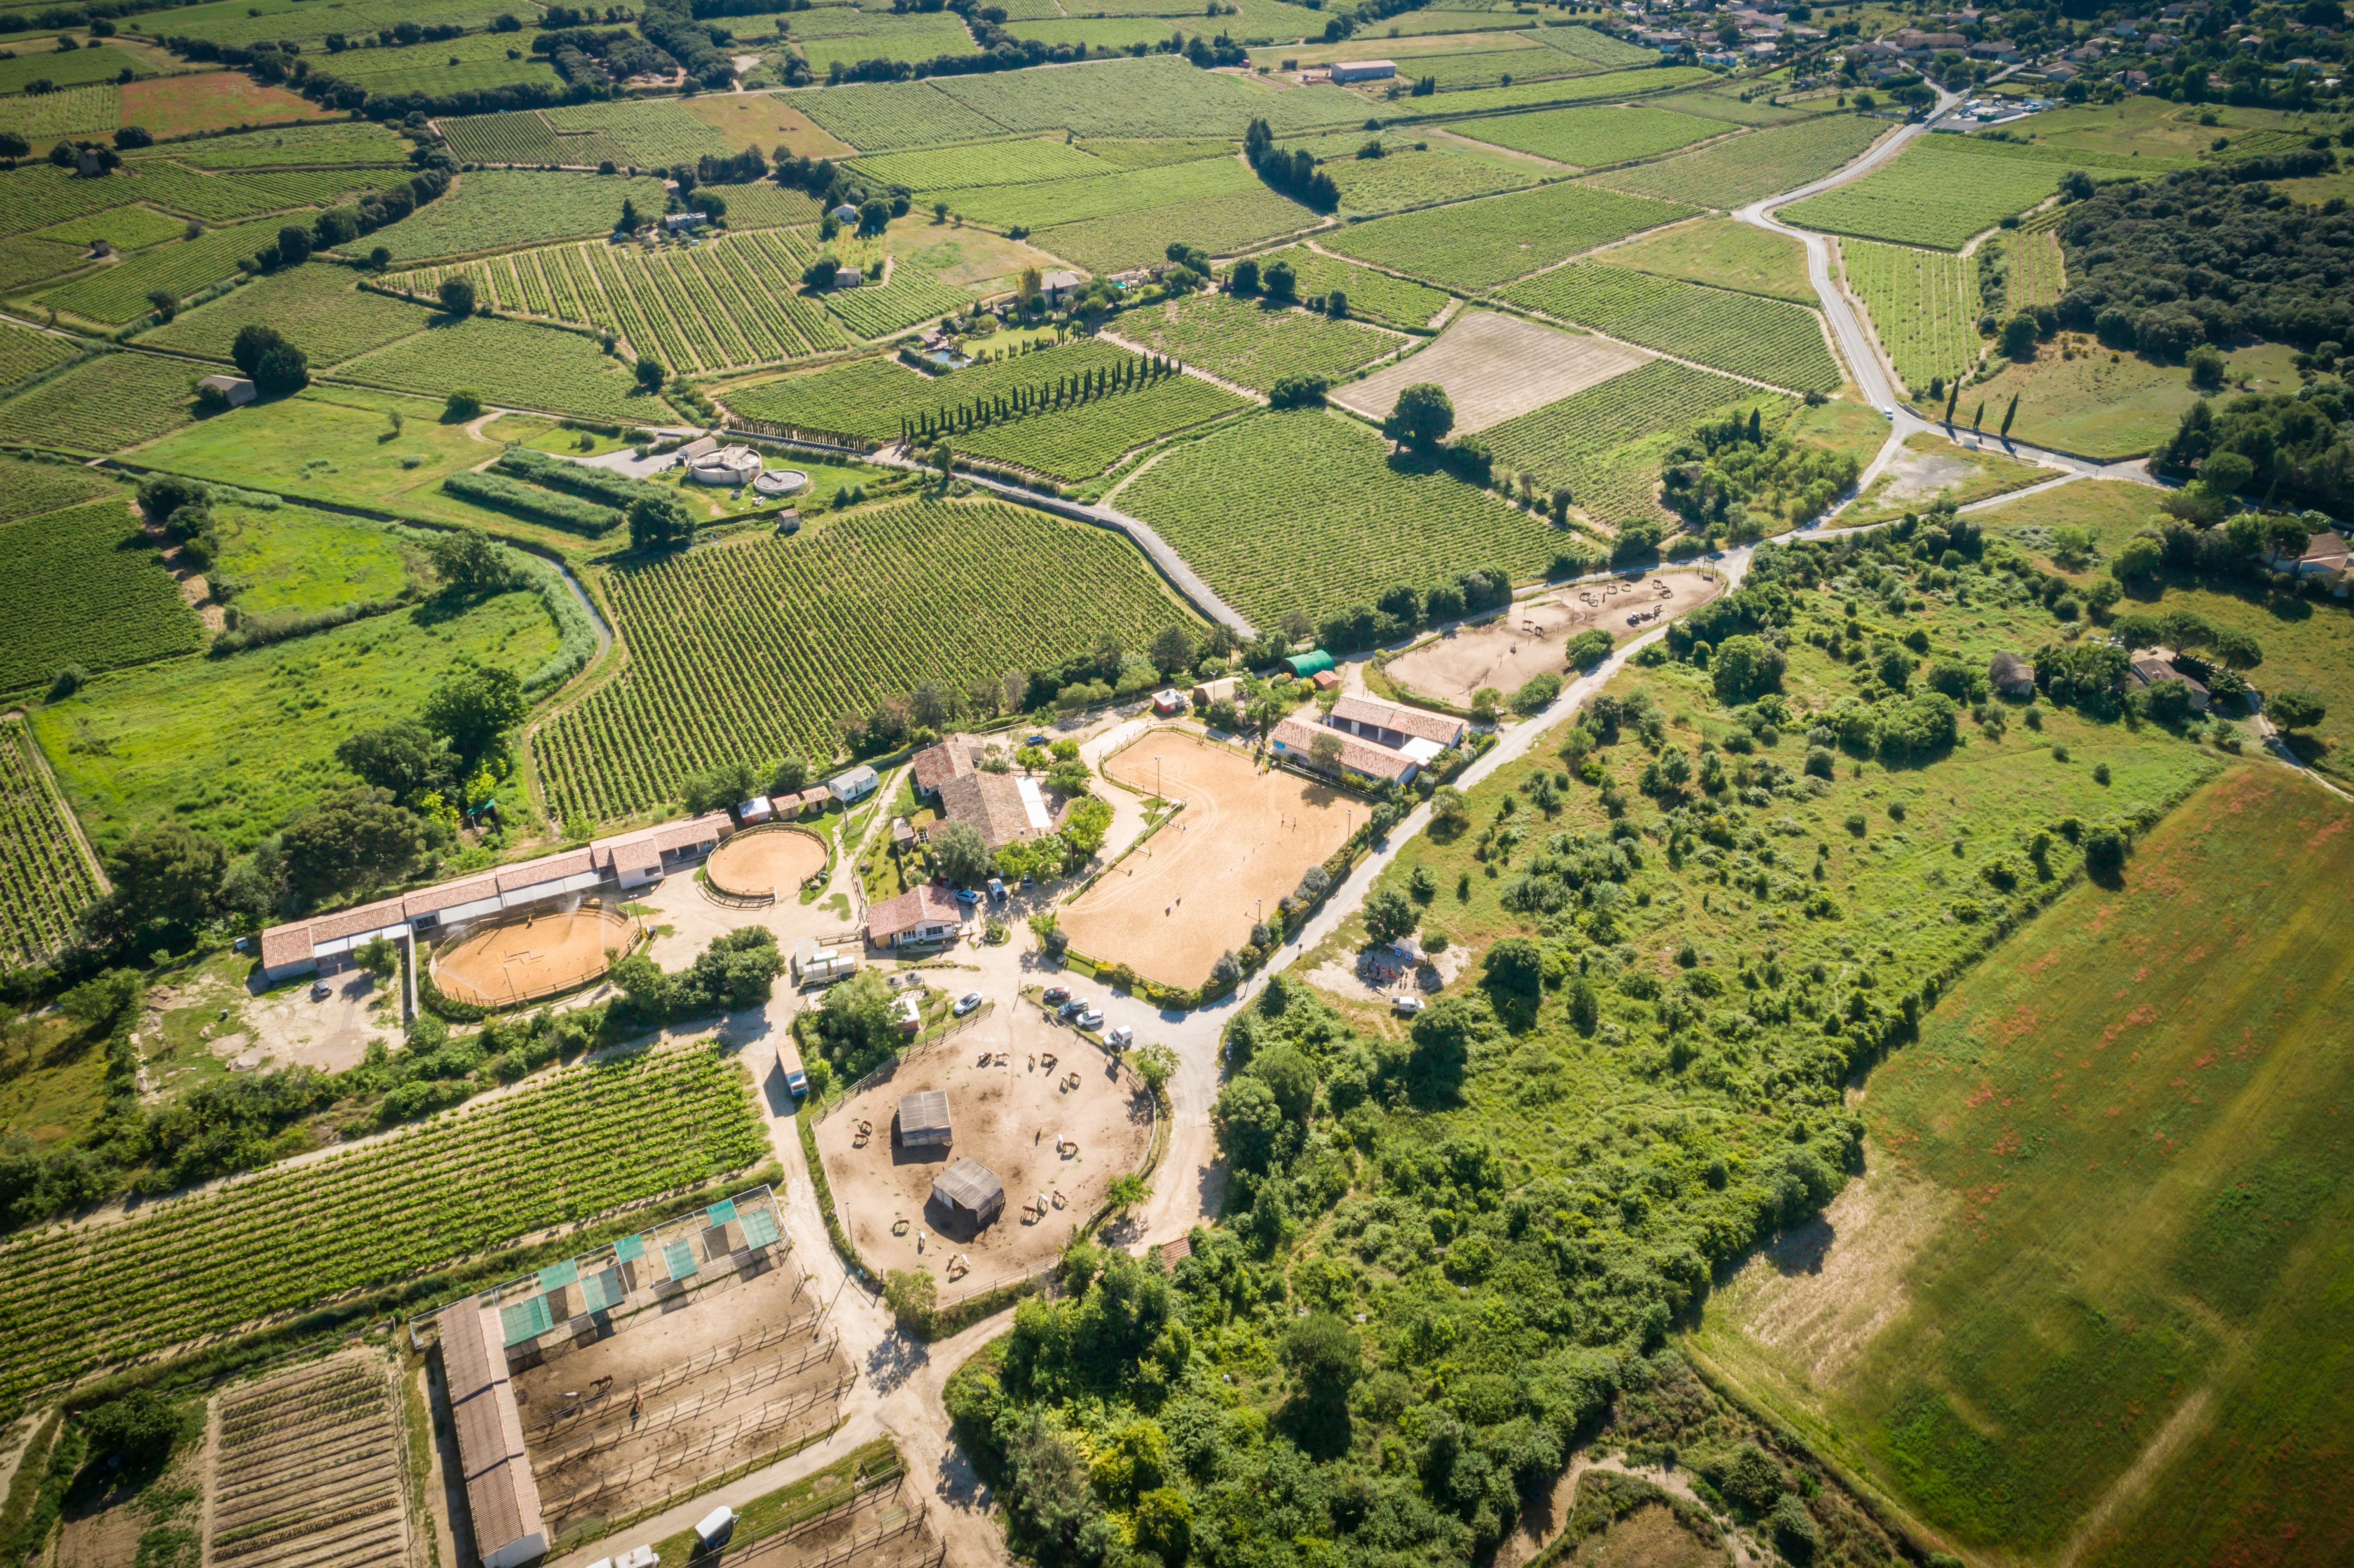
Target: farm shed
{"x": 1325, "y": 680}
{"x": 2010, "y": 675}
{"x": 924, "y": 1120}
{"x": 1169, "y": 700}
{"x": 847, "y": 278}
{"x": 236, "y": 389}
{"x": 755, "y": 810}
{"x": 1393, "y": 725}
{"x": 1306, "y": 664}
{"x": 1221, "y": 690}
{"x": 817, "y": 963}
{"x": 970, "y": 1190}
{"x": 1362, "y": 70}
{"x": 501, "y": 1498}
{"x": 855, "y": 784}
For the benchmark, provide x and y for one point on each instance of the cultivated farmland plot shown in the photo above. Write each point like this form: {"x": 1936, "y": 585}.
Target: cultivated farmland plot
{"x": 1606, "y": 444}
{"x": 288, "y": 146}
{"x": 1923, "y": 306}
{"x": 93, "y": 63}
{"x": 1589, "y": 137}
{"x": 1376, "y": 296}
{"x": 1246, "y": 342}
{"x": 1769, "y": 340}
{"x": 1217, "y": 224}
{"x": 45, "y": 880}
{"x": 912, "y": 297}
{"x": 883, "y": 117}
{"x": 1480, "y": 244}
{"x": 24, "y": 352}
{"x": 1159, "y": 96}
{"x": 1599, "y": 48}
{"x": 498, "y": 209}
{"x": 1608, "y": 86}
{"x": 1103, "y": 193}
{"x": 919, "y": 35}
{"x": 737, "y": 652}
{"x": 1493, "y": 368}
{"x": 872, "y": 398}
{"x": 107, "y": 403}
{"x": 252, "y": 21}
{"x": 476, "y": 63}
{"x": 319, "y": 307}
{"x": 74, "y": 112}
{"x": 1453, "y": 72}
{"x": 24, "y": 260}
{"x": 1306, "y": 511}
{"x": 2038, "y": 273}
{"x": 1939, "y": 192}
{"x": 1734, "y": 173}
{"x": 124, "y": 227}
{"x": 76, "y": 587}
{"x": 1074, "y": 443}
{"x": 180, "y": 268}
{"x": 513, "y": 364}
{"x": 1402, "y": 180}
{"x": 588, "y": 1140}
{"x": 1029, "y": 160}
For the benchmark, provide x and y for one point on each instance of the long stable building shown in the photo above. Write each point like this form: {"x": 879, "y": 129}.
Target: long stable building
{"x": 628, "y": 860}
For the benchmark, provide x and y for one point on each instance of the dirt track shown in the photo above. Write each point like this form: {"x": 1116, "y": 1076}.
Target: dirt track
{"x": 1529, "y": 639}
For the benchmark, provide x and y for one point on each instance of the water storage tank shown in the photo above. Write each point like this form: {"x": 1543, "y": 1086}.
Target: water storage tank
{"x": 731, "y": 466}
{"x": 781, "y": 481}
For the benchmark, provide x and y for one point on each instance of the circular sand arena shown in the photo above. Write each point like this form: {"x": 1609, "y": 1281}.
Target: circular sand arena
{"x": 759, "y": 862}
{"x": 522, "y": 958}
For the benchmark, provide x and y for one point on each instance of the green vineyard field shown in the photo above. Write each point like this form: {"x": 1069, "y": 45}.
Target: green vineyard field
{"x": 868, "y": 398}
{"x": 74, "y": 112}
{"x": 879, "y": 35}
{"x": 512, "y": 363}
{"x": 494, "y": 209}
{"x": 912, "y": 297}
{"x": 1159, "y": 96}
{"x": 1245, "y": 343}
{"x": 750, "y": 650}
{"x": 320, "y": 308}
{"x": 1402, "y": 180}
{"x": 888, "y": 117}
{"x": 124, "y": 227}
{"x": 1923, "y": 306}
{"x": 1074, "y": 443}
{"x": 1770, "y": 340}
{"x": 80, "y": 587}
{"x": 1608, "y": 87}
{"x": 1104, "y": 194}
{"x": 1937, "y": 193}
{"x": 104, "y": 405}
{"x": 1305, "y": 511}
{"x": 1030, "y": 161}
{"x": 303, "y": 145}
{"x": 2039, "y": 272}
{"x": 733, "y": 301}
{"x": 1376, "y": 296}
{"x": 1606, "y": 444}
{"x": 45, "y": 881}
{"x": 24, "y": 352}
{"x": 1218, "y": 224}
{"x": 1587, "y": 137}
{"x": 1758, "y": 164}
{"x": 118, "y": 293}
{"x": 1480, "y": 244}
{"x": 553, "y": 1154}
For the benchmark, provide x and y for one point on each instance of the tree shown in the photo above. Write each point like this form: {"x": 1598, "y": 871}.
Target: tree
{"x": 348, "y": 839}
{"x": 1325, "y": 750}
{"x": 1322, "y": 1352}
{"x": 1085, "y": 828}
{"x": 252, "y": 341}
{"x": 1514, "y": 967}
{"x": 1297, "y": 624}
{"x": 474, "y": 708}
{"x": 1449, "y": 807}
{"x": 457, "y": 296}
{"x": 168, "y": 873}
{"x": 404, "y": 759}
{"x": 1282, "y": 283}
{"x": 1244, "y": 279}
{"x": 2300, "y": 708}
{"x": 1747, "y": 667}
{"x": 379, "y": 957}
{"x": 1249, "y": 1122}
{"x": 1127, "y": 1193}
{"x": 630, "y": 219}
{"x": 962, "y": 853}
{"x": 1156, "y": 1065}
{"x": 2018, "y": 335}
{"x": 913, "y": 1296}
{"x": 463, "y": 403}
{"x": 942, "y": 456}
{"x": 468, "y": 561}
{"x": 2238, "y": 649}
{"x": 140, "y": 1428}
{"x": 166, "y": 303}
{"x": 1390, "y": 916}
{"x": 650, "y": 374}
{"x": 2139, "y": 561}
{"x": 1423, "y": 416}
{"x": 1173, "y": 650}
{"x": 282, "y": 370}
{"x": 659, "y": 522}
{"x": 874, "y": 213}
{"x": 294, "y": 245}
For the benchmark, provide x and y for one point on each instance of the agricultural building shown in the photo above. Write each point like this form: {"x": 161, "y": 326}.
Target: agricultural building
{"x": 732, "y": 466}
{"x": 780, "y": 482}
{"x": 1306, "y": 664}
{"x": 2010, "y": 675}
{"x": 1364, "y": 70}
{"x": 2154, "y": 668}
{"x": 678, "y": 222}
{"x": 815, "y": 963}
{"x": 855, "y": 784}
{"x": 926, "y": 914}
{"x": 845, "y": 213}
{"x": 755, "y": 810}
{"x": 1169, "y": 700}
{"x": 970, "y": 1191}
{"x": 1000, "y": 807}
{"x": 1221, "y": 690}
{"x": 1394, "y": 725}
{"x": 236, "y": 389}
{"x": 848, "y": 278}
{"x": 908, "y": 1010}
{"x": 324, "y": 943}
{"x": 501, "y": 1498}
{"x": 1325, "y": 680}
{"x": 924, "y": 1118}
{"x": 1296, "y": 739}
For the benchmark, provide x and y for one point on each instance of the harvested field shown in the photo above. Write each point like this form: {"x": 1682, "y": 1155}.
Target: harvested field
{"x": 512, "y": 960}
{"x": 309, "y": 1469}
{"x": 766, "y": 861}
{"x": 1527, "y": 639}
{"x": 1494, "y": 368}
{"x": 1242, "y": 842}
{"x": 1008, "y": 1116}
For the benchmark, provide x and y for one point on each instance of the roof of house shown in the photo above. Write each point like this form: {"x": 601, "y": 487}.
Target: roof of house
{"x": 968, "y": 1184}
{"x": 952, "y": 757}
{"x": 858, "y": 777}
{"x": 926, "y": 1110}
{"x": 993, "y": 805}
{"x": 917, "y": 907}
{"x": 226, "y": 383}
{"x": 450, "y": 894}
{"x": 1060, "y": 279}
{"x": 282, "y": 945}
{"x": 1357, "y": 755}
{"x": 2151, "y": 668}
{"x": 548, "y": 868}
{"x": 360, "y": 917}
{"x": 1420, "y": 722}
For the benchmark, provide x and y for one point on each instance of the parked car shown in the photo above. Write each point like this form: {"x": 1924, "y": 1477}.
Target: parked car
{"x": 1057, "y": 995}
{"x": 1121, "y": 1038}
{"x": 321, "y": 990}
{"x": 967, "y": 1003}
{"x": 967, "y": 895}
{"x": 996, "y": 890}
{"x": 1406, "y": 1005}
{"x": 1036, "y": 740}
{"x": 1072, "y": 1008}
{"x": 1090, "y": 1019}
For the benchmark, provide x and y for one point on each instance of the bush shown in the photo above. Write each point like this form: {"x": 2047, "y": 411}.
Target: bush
{"x": 465, "y": 403}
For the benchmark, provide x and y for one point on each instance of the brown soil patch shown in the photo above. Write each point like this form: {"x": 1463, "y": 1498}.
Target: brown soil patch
{"x": 1191, "y": 893}
{"x": 518, "y": 960}
{"x": 1005, "y": 1117}
{"x": 213, "y": 100}
{"x": 1648, "y": 1538}
{"x": 766, "y": 861}
{"x": 1527, "y": 639}
{"x": 764, "y": 120}
{"x": 1494, "y": 368}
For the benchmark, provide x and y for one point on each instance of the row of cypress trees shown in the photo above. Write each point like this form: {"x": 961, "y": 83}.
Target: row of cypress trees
{"x": 1062, "y": 392}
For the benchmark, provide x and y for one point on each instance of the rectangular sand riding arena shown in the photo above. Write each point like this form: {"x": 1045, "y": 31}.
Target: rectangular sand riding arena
{"x": 1190, "y": 894}
{"x": 1527, "y": 639}
{"x": 1494, "y": 368}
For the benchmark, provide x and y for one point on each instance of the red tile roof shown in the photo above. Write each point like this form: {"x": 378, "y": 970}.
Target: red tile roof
{"x": 921, "y": 906}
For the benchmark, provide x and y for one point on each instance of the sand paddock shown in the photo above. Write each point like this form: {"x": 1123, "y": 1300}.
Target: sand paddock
{"x": 762, "y": 861}
{"x": 1529, "y": 638}
{"x": 1005, "y": 1117}
{"x": 1171, "y": 908}
{"x": 516, "y": 960}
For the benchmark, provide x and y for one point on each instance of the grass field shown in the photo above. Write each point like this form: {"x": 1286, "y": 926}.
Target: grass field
{"x": 45, "y": 880}
{"x": 292, "y": 559}
{"x": 1585, "y": 138}
{"x": 1735, "y": 172}
{"x": 1749, "y": 334}
{"x": 738, "y": 651}
{"x": 213, "y": 100}
{"x": 511, "y": 363}
{"x": 1606, "y": 442}
{"x": 496, "y": 209}
{"x": 1238, "y": 505}
{"x": 1923, "y": 306}
{"x": 1930, "y": 468}
{"x": 2037, "y": 271}
{"x": 1724, "y": 254}
{"x": 1101, "y": 192}
{"x": 1242, "y": 340}
{"x": 1937, "y": 193}
{"x": 84, "y": 586}
{"x": 1409, "y": 179}
{"x": 2105, "y": 404}
{"x": 104, "y": 405}
{"x": 2117, "y": 1214}
{"x": 316, "y": 306}
{"x": 1480, "y": 244}
{"x": 233, "y": 746}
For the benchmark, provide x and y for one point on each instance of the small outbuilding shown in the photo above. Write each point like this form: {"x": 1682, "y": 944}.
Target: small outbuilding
{"x": 1307, "y": 664}
{"x": 2010, "y": 675}
{"x": 755, "y": 810}
{"x": 1168, "y": 701}
{"x": 924, "y": 1121}
{"x": 970, "y": 1190}
{"x": 1362, "y": 70}
{"x": 848, "y": 277}
{"x": 855, "y": 784}
{"x": 235, "y": 390}
{"x": 1221, "y": 690}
